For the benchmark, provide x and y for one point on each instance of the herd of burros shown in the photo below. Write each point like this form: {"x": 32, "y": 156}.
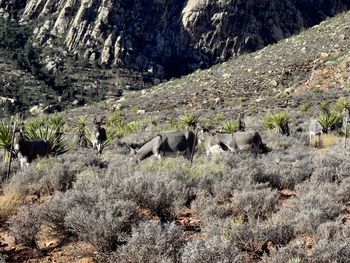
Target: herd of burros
{"x": 167, "y": 143}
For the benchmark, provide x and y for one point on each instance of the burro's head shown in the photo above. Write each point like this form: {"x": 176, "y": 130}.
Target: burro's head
{"x": 97, "y": 123}
{"x": 203, "y": 133}
{"x": 17, "y": 139}
{"x": 134, "y": 155}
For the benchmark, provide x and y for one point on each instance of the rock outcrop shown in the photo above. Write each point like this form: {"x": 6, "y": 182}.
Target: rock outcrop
{"x": 169, "y": 38}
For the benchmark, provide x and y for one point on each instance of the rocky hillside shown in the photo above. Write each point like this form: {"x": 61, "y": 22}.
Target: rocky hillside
{"x": 308, "y": 68}
{"x": 166, "y": 38}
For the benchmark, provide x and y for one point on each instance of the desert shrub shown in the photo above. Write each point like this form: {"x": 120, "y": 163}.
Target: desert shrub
{"x": 292, "y": 253}
{"x": 168, "y": 165}
{"x": 248, "y": 203}
{"x": 45, "y": 177}
{"x": 305, "y": 107}
{"x": 333, "y": 244}
{"x": 285, "y": 169}
{"x": 249, "y": 237}
{"x": 256, "y": 202}
{"x": 278, "y": 122}
{"x": 10, "y": 201}
{"x": 332, "y": 251}
{"x": 280, "y": 232}
{"x": 105, "y": 225}
{"x": 202, "y": 167}
{"x": 326, "y": 169}
{"x": 160, "y": 193}
{"x": 151, "y": 242}
{"x": 211, "y": 250}
{"x": 229, "y": 193}
{"x": 76, "y": 161}
{"x": 332, "y": 231}
{"x": 343, "y": 171}
{"x": 48, "y": 175}
{"x": 25, "y": 225}
{"x": 93, "y": 211}
{"x": 54, "y": 212}
{"x": 278, "y": 141}
{"x": 343, "y": 191}
{"x": 15, "y": 167}
{"x": 311, "y": 209}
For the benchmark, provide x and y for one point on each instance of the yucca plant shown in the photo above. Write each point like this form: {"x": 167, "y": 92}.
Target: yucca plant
{"x": 57, "y": 122}
{"x": 294, "y": 260}
{"x": 325, "y": 109}
{"x": 135, "y": 126}
{"x": 6, "y": 138}
{"x": 58, "y": 143}
{"x": 118, "y": 132}
{"x": 330, "y": 121}
{"x": 342, "y": 105}
{"x": 189, "y": 119}
{"x": 305, "y": 107}
{"x": 6, "y": 133}
{"x": 80, "y": 128}
{"x": 230, "y": 126}
{"x": 278, "y": 122}
{"x": 115, "y": 118}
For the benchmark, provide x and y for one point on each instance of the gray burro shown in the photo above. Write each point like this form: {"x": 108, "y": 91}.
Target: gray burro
{"x": 315, "y": 132}
{"x": 98, "y": 136}
{"x": 166, "y": 144}
{"x": 215, "y": 142}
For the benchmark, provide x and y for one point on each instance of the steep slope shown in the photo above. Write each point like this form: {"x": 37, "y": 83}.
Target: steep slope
{"x": 21, "y": 83}
{"x": 167, "y": 38}
{"x": 307, "y": 67}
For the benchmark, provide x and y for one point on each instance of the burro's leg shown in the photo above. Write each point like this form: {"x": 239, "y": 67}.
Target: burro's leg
{"x": 99, "y": 148}
{"x": 311, "y": 135}
{"x": 23, "y": 162}
{"x": 318, "y": 140}
{"x": 157, "y": 148}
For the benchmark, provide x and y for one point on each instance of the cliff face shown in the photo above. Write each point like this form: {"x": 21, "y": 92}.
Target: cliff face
{"x": 167, "y": 38}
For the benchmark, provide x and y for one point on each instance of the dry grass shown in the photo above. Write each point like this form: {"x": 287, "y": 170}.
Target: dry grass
{"x": 329, "y": 140}
{"x": 201, "y": 166}
{"x": 10, "y": 201}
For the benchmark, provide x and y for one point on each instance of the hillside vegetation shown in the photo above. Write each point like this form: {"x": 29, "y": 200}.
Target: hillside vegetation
{"x": 80, "y": 50}
{"x": 288, "y": 205}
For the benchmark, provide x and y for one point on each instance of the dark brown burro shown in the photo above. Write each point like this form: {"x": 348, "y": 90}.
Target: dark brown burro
{"x": 28, "y": 150}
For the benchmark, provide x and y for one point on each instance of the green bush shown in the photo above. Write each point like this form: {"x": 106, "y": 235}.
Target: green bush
{"x": 341, "y": 105}
{"x": 330, "y": 121}
{"x": 50, "y": 131}
{"x": 278, "y": 122}
{"x": 230, "y": 126}
{"x": 189, "y": 119}
{"x": 5, "y": 138}
{"x": 305, "y": 107}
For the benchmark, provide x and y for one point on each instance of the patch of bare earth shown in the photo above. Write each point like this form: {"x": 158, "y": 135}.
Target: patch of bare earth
{"x": 50, "y": 250}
